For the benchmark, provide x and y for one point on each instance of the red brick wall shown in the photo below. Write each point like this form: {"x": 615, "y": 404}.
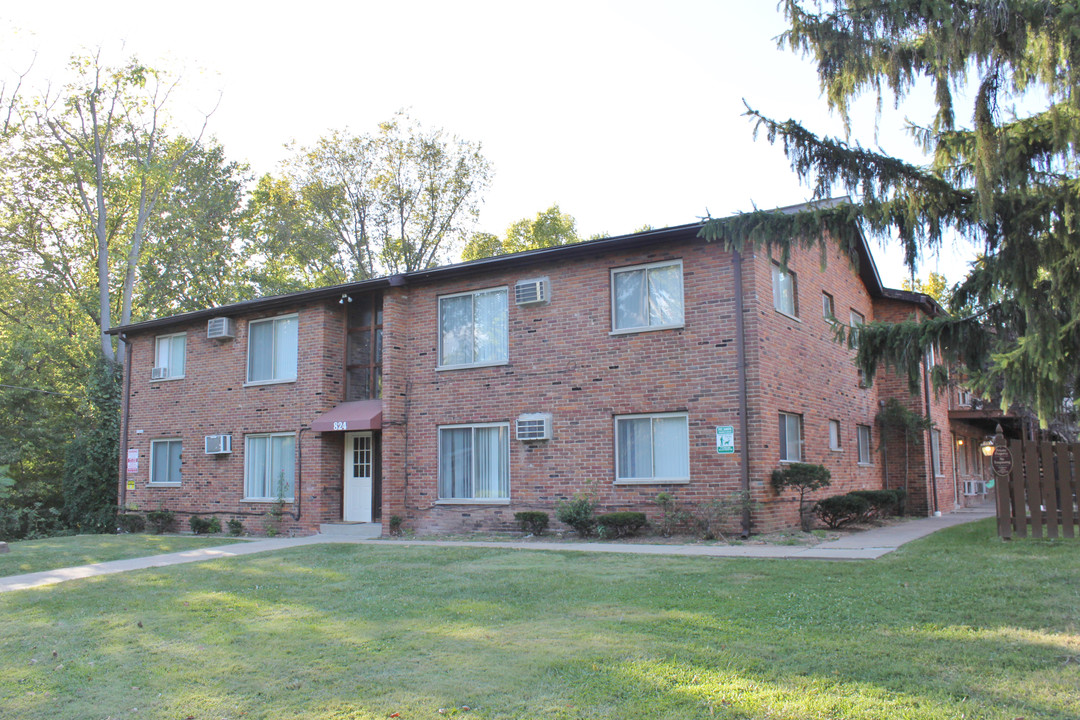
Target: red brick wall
{"x": 798, "y": 367}
{"x": 563, "y": 360}
{"x": 921, "y": 477}
{"x": 211, "y": 399}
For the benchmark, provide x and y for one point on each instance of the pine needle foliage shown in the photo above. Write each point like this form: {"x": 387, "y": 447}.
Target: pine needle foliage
{"x": 1006, "y": 182}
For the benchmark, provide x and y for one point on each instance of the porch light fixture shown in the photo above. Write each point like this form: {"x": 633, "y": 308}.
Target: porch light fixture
{"x": 344, "y": 299}
{"x": 986, "y": 447}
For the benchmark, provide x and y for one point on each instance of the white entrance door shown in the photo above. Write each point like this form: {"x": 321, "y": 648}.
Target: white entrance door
{"x": 358, "y": 459}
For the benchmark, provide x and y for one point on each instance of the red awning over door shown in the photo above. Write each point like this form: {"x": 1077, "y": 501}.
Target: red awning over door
{"x": 349, "y": 416}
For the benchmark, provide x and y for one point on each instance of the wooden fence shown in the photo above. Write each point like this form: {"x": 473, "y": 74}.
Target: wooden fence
{"x": 1040, "y": 490}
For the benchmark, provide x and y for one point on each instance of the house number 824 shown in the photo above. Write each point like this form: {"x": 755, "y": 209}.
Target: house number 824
{"x": 344, "y": 425}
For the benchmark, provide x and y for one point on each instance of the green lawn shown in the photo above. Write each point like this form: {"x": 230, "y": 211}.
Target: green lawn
{"x": 959, "y": 625}
{"x": 28, "y": 556}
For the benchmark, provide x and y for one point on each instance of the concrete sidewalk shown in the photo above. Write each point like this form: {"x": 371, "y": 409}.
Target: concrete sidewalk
{"x": 866, "y": 545}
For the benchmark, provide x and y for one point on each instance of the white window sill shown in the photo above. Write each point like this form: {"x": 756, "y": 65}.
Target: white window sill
{"x": 171, "y": 484}
{"x": 652, "y": 481}
{"x": 267, "y": 500}
{"x": 866, "y": 464}
{"x": 646, "y": 328}
{"x": 788, "y": 462}
{"x": 836, "y": 450}
{"x": 789, "y": 317}
{"x": 470, "y": 366}
{"x": 171, "y": 377}
{"x": 473, "y": 501}
{"x": 257, "y": 383}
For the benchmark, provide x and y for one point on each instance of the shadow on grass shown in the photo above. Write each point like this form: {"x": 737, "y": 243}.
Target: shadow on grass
{"x": 359, "y": 632}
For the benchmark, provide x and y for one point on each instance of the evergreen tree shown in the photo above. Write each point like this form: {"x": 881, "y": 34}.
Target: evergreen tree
{"x": 1007, "y": 182}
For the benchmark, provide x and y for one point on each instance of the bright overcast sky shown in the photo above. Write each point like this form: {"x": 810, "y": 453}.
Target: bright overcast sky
{"x": 626, "y": 113}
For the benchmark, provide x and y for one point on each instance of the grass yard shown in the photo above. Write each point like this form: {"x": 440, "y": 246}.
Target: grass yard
{"x": 959, "y": 625}
{"x": 29, "y": 556}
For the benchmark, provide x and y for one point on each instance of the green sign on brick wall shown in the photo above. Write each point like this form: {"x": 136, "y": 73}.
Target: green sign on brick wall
{"x": 725, "y": 439}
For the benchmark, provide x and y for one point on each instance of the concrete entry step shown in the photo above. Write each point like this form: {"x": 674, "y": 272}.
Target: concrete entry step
{"x": 351, "y": 530}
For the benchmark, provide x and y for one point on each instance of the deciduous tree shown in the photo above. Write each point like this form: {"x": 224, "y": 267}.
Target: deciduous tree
{"x": 399, "y": 200}
{"x": 85, "y": 179}
{"x": 549, "y": 228}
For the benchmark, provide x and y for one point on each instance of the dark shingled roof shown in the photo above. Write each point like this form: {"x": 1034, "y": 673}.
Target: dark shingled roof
{"x": 867, "y": 271}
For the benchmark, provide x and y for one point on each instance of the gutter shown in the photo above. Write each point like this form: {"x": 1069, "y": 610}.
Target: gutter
{"x": 933, "y": 460}
{"x": 125, "y": 406}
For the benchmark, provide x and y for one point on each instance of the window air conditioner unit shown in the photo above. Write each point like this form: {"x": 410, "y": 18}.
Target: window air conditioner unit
{"x": 534, "y": 426}
{"x": 159, "y": 373}
{"x": 220, "y": 328}
{"x": 532, "y": 292}
{"x": 218, "y": 444}
{"x": 974, "y": 487}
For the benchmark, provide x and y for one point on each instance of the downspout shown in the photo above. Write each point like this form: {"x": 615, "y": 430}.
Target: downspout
{"x": 955, "y": 470}
{"x": 929, "y": 436}
{"x": 297, "y": 495}
{"x": 740, "y": 368}
{"x": 125, "y": 408}
{"x": 884, "y": 441}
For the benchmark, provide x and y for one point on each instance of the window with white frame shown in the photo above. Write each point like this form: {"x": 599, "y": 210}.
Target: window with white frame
{"x": 828, "y": 309}
{"x": 784, "y": 291}
{"x": 165, "y": 461}
{"x": 857, "y": 321}
{"x": 935, "y": 451}
{"x": 791, "y": 437}
{"x": 652, "y": 448}
{"x": 647, "y": 297}
{"x": 272, "y": 349}
{"x": 474, "y": 462}
{"x": 269, "y": 466}
{"x": 169, "y": 356}
{"x": 834, "y": 435}
{"x": 473, "y": 328}
{"x": 864, "y": 444}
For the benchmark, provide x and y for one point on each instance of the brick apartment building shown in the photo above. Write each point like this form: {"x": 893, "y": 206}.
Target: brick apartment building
{"x": 457, "y": 396}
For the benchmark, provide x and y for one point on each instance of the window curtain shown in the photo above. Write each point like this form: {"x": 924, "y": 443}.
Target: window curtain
{"x": 260, "y": 356}
{"x": 783, "y": 291}
{"x": 665, "y": 295}
{"x": 257, "y": 470}
{"x": 671, "y": 448}
{"x": 455, "y": 463}
{"x": 176, "y": 355}
{"x": 635, "y": 449}
{"x": 282, "y": 457}
{"x": 630, "y": 299}
{"x": 285, "y": 348}
{"x": 166, "y": 461}
{"x": 790, "y": 438}
{"x": 455, "y": 330}
{"x": 491, "y": 328}
{"x": 492, "y": 462}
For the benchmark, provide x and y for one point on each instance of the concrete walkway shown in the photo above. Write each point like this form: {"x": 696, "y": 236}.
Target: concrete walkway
{"x": 866, "y": 545}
